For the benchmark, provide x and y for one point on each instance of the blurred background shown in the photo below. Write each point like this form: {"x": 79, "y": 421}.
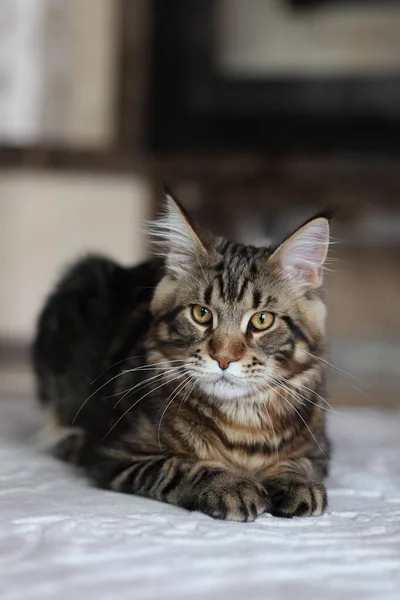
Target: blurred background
{"x": 257, "y": 112}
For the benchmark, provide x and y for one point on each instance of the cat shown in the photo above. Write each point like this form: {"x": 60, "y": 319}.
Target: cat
{"x": 195, "y": 378}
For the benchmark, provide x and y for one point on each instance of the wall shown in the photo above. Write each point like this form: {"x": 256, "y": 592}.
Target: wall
{"x": 47, "y": 220}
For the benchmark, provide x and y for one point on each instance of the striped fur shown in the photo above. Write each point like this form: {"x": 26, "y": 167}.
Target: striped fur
{"x": 119, "y": 356}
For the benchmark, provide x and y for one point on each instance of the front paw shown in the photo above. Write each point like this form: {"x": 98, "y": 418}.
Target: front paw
{"x": 231, "y": 498}
{"x": 296, "y": 497}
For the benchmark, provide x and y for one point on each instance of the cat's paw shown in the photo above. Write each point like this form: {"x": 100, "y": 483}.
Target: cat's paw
{"x": 296, "y": 497}
{"x": 231, "y": 498}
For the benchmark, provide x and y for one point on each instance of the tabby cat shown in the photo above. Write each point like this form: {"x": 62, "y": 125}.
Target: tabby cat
{"x": 195, "y": 378}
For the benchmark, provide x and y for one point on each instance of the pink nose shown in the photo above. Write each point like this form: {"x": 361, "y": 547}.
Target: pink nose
{"x": 223, "y": 363}
{"x": 225, "y": 351}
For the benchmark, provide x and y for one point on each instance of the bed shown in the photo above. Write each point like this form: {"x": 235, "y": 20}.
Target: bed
{"x": 61, "y": 538}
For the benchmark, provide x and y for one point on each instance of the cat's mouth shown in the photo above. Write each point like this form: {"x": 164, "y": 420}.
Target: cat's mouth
{"x": 224, "y": 386}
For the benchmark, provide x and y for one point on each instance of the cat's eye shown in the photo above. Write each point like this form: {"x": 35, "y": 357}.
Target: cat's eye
{"x": 201, "y": 314}
{"x": 262, "y": 321}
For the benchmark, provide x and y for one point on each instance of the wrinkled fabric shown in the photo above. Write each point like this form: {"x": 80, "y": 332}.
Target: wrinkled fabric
{"x": 61, "y": 538}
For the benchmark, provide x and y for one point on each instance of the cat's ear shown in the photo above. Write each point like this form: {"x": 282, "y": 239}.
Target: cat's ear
{"x": 183, "y": 243}
{"x": 301, "y": 256}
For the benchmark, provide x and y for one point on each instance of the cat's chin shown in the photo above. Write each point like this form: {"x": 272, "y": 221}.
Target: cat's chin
{"x": 224, "y": 390}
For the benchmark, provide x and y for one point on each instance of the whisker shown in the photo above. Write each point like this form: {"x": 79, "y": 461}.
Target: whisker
{"x": 143, "y": 367}
{"x": 301, "y": 385}
{"x": 305, "y": 423}
{"x": 189, "y": 391}
{"x": 181, "y": 387}
{"x": 283, "y": 387}
{"x": 173, "y": 391}
{"x": 295, "y": 395}
{"x": 298, "y": 397}
{"x": 114, "y": 365}
{"x": 144, "y": 383}
{"x": 151, "y": 366}
{"x": 334, "y": 367}
{"x": 331, "y": 259}
{"x": 137, "y": 402}
{"x": 91, "y": 396}
{"x": 270, "y": 422}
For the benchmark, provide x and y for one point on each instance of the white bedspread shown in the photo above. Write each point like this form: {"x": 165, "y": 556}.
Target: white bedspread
{"x": 62, "y": 539}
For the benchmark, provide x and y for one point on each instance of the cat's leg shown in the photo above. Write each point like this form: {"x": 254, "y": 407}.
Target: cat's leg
{"x": 296, "y": 490}
{"x": 70, "y": 447}
{"x": 65, "y": 443}
{"x": 194, "y": 485}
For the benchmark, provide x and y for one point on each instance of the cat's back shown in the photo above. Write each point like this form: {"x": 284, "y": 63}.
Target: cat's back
{"x": 92, "y": 319}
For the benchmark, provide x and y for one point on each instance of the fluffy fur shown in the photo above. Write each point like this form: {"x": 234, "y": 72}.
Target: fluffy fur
{"x": 218, "y": 417}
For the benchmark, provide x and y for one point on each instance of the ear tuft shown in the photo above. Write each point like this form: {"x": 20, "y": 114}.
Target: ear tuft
{"x": 178, "y": 240}
{"x": 302, "y": 255}
{"x": 168, "y": 191}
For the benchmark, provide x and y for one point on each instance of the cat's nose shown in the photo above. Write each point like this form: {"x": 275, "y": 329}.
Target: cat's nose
{"x": 223, "y": 360}
{"x": 225, "y": 352}
{"x": 223, "y": 363}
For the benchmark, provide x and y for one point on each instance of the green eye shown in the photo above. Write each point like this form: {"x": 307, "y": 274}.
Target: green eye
{"x": 262, "y": 321}
{"x": 201, "y": 314}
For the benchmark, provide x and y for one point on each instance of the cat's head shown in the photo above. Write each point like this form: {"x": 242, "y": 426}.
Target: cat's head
{"x": 237, "y": 320}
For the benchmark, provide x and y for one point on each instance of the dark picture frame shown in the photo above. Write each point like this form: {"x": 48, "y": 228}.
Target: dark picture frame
{"x": 125, "y": 153}
{"x": 196, "y": 109}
